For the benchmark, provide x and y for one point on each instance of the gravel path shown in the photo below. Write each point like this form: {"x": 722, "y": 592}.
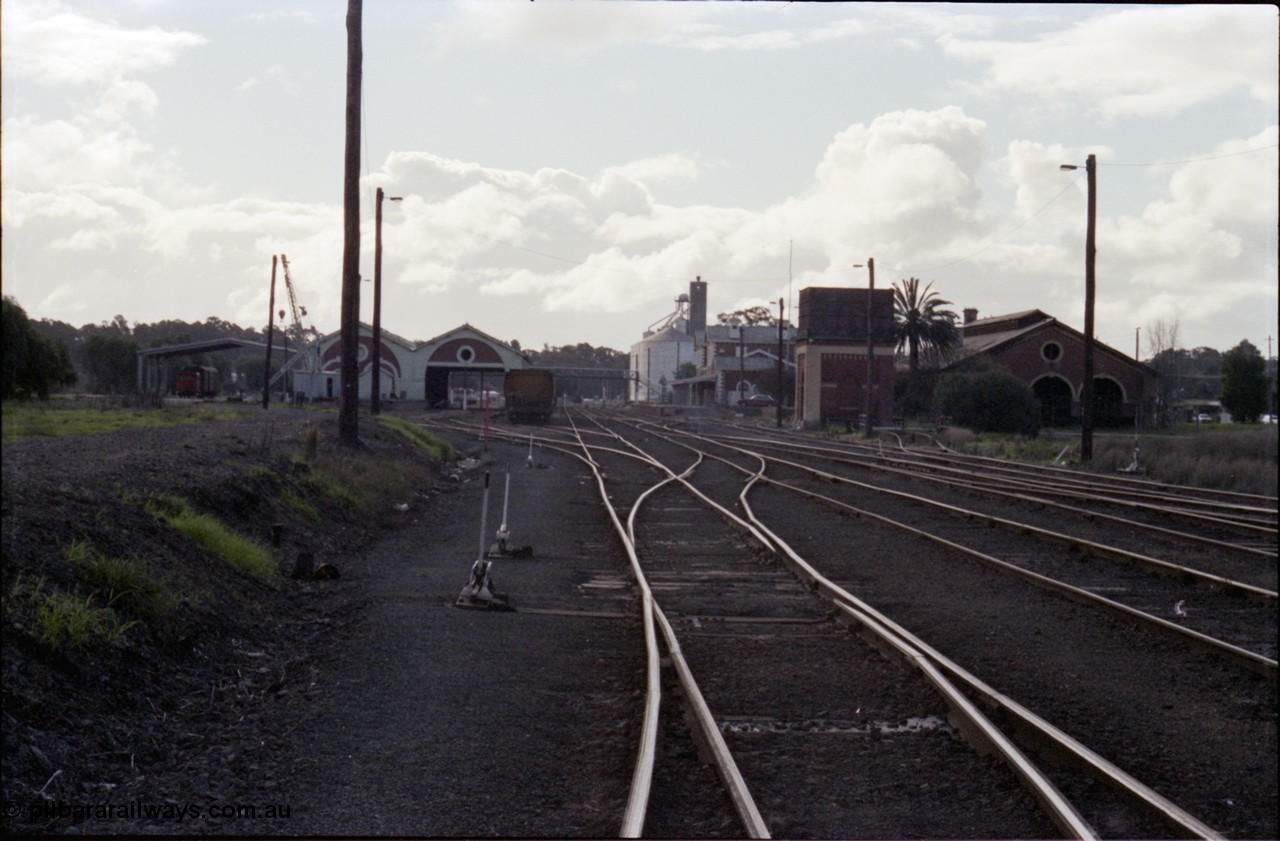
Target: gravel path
{"x": 443, "y": 721}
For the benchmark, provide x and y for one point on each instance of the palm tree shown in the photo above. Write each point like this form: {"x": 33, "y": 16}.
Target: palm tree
{"x": 921, "y": 325}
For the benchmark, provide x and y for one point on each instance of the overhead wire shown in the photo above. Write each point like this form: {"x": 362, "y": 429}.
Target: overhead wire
{"x": 1201, "y": 160}
{"x": 991, "y": 242}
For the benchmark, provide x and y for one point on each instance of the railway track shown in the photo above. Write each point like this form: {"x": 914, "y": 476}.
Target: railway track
{"x": 730, "y": 540}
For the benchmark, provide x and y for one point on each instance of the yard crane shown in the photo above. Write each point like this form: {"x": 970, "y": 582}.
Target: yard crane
{"x": 305, "y": 360}
{"x": 298, "y": 312}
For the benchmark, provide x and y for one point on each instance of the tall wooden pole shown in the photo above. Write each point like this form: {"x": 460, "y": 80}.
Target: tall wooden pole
{"x": 375, "y": 376}
{"x": 348, "y": 417}
{"x": 271, "y": 320}
{"x": 781, "y": 390}
{"x": 1090, "y": 251}
{"x": 871, "y": 369}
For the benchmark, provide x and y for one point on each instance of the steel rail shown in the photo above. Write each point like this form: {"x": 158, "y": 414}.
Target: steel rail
{"x": 975, "y": 722}
{"x": 1189, "y": 504}
{"x": 885, "y": 628}
{"x": 1058, "y": 537}
{"x": 935, "y": 476}
{"x": 1263, "y": 665}
{"x": 1270, "y": 502}
{"x": 1091, "y": 482}
{"x": 726, "y": 767}
{"x": 642, "y": 775}
{"x": 1256, "y": 662}
{"x": 929, "y": 471}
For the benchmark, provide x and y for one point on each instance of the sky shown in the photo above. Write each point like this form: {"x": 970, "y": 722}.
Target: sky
{"x": 567, "y": 168}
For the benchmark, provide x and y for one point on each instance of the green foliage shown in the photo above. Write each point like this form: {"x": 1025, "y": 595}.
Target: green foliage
{"x": 72, "y": 418}
{"x": 439, "y": 449}
{"x": 209, "y": 532}
{"x": 926, "y": 331}
{"x": 66, "y": 621}
{"x": 750, "y": 316}
{"x": 63, "y": 620}
{"x": 986, "y": 399}
{"x": 33, "y": 363}
{"x": 1244, "y": 383}
{"x": 1194, "y": 374}
{"x": 110, "y": 362}
{"x": 290, "y": 498}
{"x": 127, "y": 585}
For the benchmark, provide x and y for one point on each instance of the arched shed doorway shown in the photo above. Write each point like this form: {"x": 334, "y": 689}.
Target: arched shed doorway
{"x": 1054, "y": 394}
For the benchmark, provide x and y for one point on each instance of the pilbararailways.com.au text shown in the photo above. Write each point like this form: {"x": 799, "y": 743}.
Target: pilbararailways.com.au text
{"x": 140, "y": 810}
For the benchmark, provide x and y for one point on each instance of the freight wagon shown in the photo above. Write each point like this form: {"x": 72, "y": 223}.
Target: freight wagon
{"x": 530, "y": 395}
{"x": 196, "y": 381}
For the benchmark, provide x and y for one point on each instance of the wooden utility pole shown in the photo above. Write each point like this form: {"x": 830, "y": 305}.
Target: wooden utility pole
{"x": 348, "y": 409}
{"x": 1090, "y": 252}
{"x": 871, "y": 370}
{"x": 271, "y": 316}
{"x": 781, "y": 389}
{"x": 375, "y": 374}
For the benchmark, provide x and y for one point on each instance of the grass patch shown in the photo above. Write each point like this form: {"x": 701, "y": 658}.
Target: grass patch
{"x": 63, "y": 620}
{"x": 439, "y": 449}
{"x": 290, "y": 498}
{"x": 1234, "y": 458}
{"x": 126, "y": 584}
{"x": 209, "y": 532}
{"x": 60, "y": 418}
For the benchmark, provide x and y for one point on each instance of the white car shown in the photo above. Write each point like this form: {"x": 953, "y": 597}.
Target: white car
{"x": 1203, "y": 418}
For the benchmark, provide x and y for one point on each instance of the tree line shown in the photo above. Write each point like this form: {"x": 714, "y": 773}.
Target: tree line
{"x": 44, "y": 355}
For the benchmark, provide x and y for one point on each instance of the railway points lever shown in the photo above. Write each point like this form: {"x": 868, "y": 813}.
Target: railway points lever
{"x": 479, "y": 590}
{"x": 501, "y": 549}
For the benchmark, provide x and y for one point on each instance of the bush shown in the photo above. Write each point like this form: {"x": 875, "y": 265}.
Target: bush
{"x": 986, "y": 399}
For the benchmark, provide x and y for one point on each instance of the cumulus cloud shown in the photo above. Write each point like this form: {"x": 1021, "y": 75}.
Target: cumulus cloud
{"x": 1139, "y": 61}
{"x": 46, "y": 44}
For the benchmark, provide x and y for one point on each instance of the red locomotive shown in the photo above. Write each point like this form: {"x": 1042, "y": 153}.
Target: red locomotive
{"x": 197, "y": 381}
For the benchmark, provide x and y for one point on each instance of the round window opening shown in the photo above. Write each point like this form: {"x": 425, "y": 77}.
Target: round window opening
{"x": 466, "y": 354}
{"x": 1051, "y": 351}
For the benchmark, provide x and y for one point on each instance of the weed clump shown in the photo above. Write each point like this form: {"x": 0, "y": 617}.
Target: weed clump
{"x": 439, "y": 449}
{"x": 126, "y": 584}
{"x": 64, "y": 620}
{"x": 209, "y": 532}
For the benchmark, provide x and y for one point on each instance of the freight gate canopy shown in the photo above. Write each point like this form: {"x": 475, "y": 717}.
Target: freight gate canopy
{"x": 147, "y": 356}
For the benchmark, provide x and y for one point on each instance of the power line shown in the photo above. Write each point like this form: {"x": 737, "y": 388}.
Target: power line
{"x": 1200, "y": 160}
{"x": 1005, "y": 235}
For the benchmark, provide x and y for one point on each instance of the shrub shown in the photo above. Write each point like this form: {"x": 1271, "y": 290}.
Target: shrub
{"x": 987, "y": 400}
